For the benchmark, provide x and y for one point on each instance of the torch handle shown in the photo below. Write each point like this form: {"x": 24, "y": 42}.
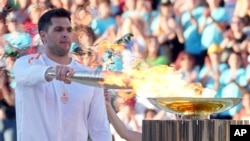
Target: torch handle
{"x": 91, "y": 79}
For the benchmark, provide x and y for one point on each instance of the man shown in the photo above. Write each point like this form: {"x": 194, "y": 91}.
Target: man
{"x": 56, "y": 109}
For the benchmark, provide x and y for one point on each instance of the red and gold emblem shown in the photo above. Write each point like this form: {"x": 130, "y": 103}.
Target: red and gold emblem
{"x": 64, "y": 98}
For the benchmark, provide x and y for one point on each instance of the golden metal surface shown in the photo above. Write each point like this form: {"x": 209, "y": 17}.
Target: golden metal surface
{"x": 194, "y": 105}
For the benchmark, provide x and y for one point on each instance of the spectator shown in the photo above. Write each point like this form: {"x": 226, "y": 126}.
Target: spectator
{"x": 81, "y": 16}
{"x": 190, "y": 24}
{"x": 169, "y": 33}
{"x": 16, "y": 39}
{"x": 82, "y": 50}
{"x": 153, "y": 56}
{"x": 104, "y": 20}
{"x": 30, "y": 26}
{"x": 185, "y": 64}
{"x": 7, "y": 109}
{"x": 235, "y": 73}
{"x": 244, "y": 113}
{"x": 230, "y": 7}
{"x": 115, "y": 7}
{"x": 211, "y": 71}
{"x": 134, "y": 52}
{"x": 22, "y": 12}
{"x": 129, "y": 9}
{"x": 234, "y": 36}
{"x": 3, "y": 30}
{"x": 212, "y": 25}
{"x": 10, "y": 58}
{"x": 146, "y": 11}
{"x": 5, "y": 7}
{"x": 84, "y": 36}
{"x": 247, "y": 47}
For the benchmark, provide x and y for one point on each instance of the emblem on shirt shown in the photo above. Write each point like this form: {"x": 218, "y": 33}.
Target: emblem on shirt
{"x": 64, "y": 98}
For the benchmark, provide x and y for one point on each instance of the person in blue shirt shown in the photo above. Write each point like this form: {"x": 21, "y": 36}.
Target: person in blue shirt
{"x": 16, "y": 39}
{"x": 104, "y": 19}
{"x": 213, "y": 24}
{"x": 190, "y": 25}
{"x": 210, "y": 72}
{"x": 228, "y": 88}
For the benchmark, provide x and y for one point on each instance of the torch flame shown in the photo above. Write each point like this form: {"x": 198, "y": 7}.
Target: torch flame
{"x": 158, "y": 81}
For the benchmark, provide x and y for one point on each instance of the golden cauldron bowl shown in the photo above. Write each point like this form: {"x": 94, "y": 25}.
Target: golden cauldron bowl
{"x": 194, "y": 107}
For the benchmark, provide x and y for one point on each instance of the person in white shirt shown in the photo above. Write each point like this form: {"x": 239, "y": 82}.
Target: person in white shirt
{"x": 50, "y": 109}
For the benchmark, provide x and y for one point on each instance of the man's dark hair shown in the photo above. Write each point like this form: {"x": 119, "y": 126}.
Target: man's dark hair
{"x": 2, "y": 17}
{"x": 45, "y": 20}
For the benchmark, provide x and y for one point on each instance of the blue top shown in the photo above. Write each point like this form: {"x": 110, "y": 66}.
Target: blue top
{"x": 210, "y": 81}
{"x": 101, "y": 25}
{"x": 18, "y": 40}
{"x": 190, "y": 31}
{"x": 229, "y": 89}
{"x": 211, "y": 34}
{"x": 192, "y": 40}
{"x": 185, "y": 19}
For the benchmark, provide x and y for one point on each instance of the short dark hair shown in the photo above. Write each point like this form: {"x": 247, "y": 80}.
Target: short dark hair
{"x": 45, "y": 20}
{"x": 83, "y": 29}
{"x": 167, "y": 3}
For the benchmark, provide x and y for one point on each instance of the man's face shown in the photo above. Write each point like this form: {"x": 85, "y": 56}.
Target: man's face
{"x": 58, "y": 38}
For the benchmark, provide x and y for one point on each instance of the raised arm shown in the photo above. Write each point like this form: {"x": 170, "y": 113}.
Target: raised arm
{"x": 118, "y": 124}
{"x": 98, "y": 123}
{"x": 120, "y": 127}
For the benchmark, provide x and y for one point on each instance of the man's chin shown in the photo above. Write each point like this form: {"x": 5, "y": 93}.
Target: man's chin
{"x": 63, "y": 53}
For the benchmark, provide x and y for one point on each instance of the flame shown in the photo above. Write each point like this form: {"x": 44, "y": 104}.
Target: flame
{"x": 158, "y": 81}
{"x": 108, "y": 45}
{"x": 115, "y": 78}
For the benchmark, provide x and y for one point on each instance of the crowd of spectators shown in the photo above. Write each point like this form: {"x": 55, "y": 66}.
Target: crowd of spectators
{"x": 208, "y": 41}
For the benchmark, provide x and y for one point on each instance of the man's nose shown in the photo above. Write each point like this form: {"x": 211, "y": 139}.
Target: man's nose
{"x": 66, "y": 34}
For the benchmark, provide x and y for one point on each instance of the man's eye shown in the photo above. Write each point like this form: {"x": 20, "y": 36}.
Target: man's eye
{"x": 70, "y": 30}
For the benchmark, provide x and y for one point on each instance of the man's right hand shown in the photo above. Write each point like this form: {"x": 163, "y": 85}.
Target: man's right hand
{"x": 61, "y": 73}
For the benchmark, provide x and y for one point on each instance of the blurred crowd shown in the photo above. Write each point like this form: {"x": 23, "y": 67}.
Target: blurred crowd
{"x": 208, "y": 41}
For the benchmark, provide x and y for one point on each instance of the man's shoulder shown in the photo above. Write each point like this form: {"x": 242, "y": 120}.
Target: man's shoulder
{"x": 24, "y": 57}
{"x": 29, "y": 58}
